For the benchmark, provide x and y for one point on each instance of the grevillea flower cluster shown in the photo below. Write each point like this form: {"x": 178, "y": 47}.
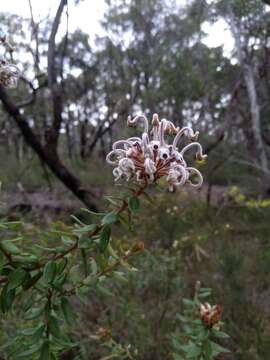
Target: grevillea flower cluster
{"x": 210, "y": 315}
{"x": 9, "y": 74}
{"x": 150, "y": 157}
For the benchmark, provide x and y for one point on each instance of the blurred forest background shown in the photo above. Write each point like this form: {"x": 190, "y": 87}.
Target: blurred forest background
{"x": 72, "y": 102}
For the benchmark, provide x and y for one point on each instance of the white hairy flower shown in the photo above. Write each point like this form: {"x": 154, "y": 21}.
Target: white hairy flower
{"x": 9, "y": 74}
{"x": 150, "y": 157}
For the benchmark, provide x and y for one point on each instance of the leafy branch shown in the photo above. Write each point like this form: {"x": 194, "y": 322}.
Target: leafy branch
{"x": 80, "y": 263}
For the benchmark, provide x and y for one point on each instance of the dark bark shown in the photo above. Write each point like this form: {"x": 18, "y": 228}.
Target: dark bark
{"x": 69, "y": 141}
{"x": 56, "y": 89}
{"x": 266, "y": 138}
{"x": 49, "y": 158}
{"x": 83, "y": 138}
{"x": 51, "y": 49}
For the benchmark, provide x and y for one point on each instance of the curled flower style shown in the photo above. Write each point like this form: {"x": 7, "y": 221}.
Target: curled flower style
{"x": 150, "y": 157}
{"x": 9, "y": 74}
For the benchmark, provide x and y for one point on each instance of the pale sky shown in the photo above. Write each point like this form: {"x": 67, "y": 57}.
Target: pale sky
{"x": 87, "y": 15}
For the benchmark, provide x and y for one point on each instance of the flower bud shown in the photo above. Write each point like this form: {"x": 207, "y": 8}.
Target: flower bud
{"x": 210, "y": 315}
{"x": 138, "y": 247}
{"x": 155, "y": 121}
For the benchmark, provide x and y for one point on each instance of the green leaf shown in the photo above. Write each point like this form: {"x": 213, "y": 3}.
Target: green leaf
{"x": 94, "y": 268}
{"x": 45, "y": 351}
{"x": 104, "y": 291}
{"x": 74, "y": 274}
{"x": 64, "y": 342}
{"x": 32, "y": 350}
{"x": 90, "y": 280}
{"x": 84, "y": 262}
{"x": 53, "y": 356}
{"x": 113, "y": 200}
{"x": 49, "y": 271}
{"x": 205, "y": 294}
{"x": 194, "y": 352}
{"x": 61, "y": 249}
{"x": 28, "y": 332}
{"x": 203, "y": 333}
{"x": 203, "y": 289}
{"x": 66, "y": 240}
{"x": 82, "y": 293}
{"x": 60, "y": 232}
{"x": 120, "y": 276}
{"x": 196, "y": 322}
{"x": 25, "y": 259}
{"x": 125, "y": 221}
{"x": 134, "y": 204}
{"x": 34, "y": 313}
{"x": 9, "y": 247}
{"x": 86, "y": 228}
{"x": 2, "y": 261}
{"x": 6, "y": 299}
{"x": 39, "y": 333}
{"x": 54, "y": 326}
{"x": 32, "y": 281}
{"x": 188, "y": 302}
{"x": 16, "y": 278}
{"x": 67, "y": 310}
{"x": 85, "y": 242}
{"x": 101, "y": 261}
{"x": 60, "y": 266}
{"x": 110, "y": 218}
{"x": 218, "y": 349}
{"x": 219, "y": 334}
{"x": 207, "y": 350}
{"x": 59, "y": 281}
{"x": 92, "y": 212}
{"x": 78, "y": 221}
{"x": 11, "y": 224}
{"x": 104, "y": 240}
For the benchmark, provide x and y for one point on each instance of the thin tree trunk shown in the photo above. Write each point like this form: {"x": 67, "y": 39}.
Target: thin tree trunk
{"x": 56, "y": 89}
{"x": 252, "y": 94}
{"x": 69, "y": 141}
{"x": 83, "y": 138}
{"x": 255, "y": 116}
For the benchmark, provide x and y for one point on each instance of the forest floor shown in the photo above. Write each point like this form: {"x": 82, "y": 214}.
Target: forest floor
{"x": 60, "y": 202}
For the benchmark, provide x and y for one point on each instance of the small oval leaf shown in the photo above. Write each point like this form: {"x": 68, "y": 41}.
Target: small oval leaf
{"x": 104, "y": 240}
{"x": 16, "y": 278}
{"x": 134, "y": 204}
{"x": 110, "y": 218}
{"x": 49, "y": 271}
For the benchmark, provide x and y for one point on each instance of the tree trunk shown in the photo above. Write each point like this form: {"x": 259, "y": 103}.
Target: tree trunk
{"x": 69, "y": 141}
{"x": 83, "y": 138}
{"x": 249, "y": 78}
{"x": 56, "y": 89}
{"x": 51, "y": 159}
{"x": 255, "y": 116}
